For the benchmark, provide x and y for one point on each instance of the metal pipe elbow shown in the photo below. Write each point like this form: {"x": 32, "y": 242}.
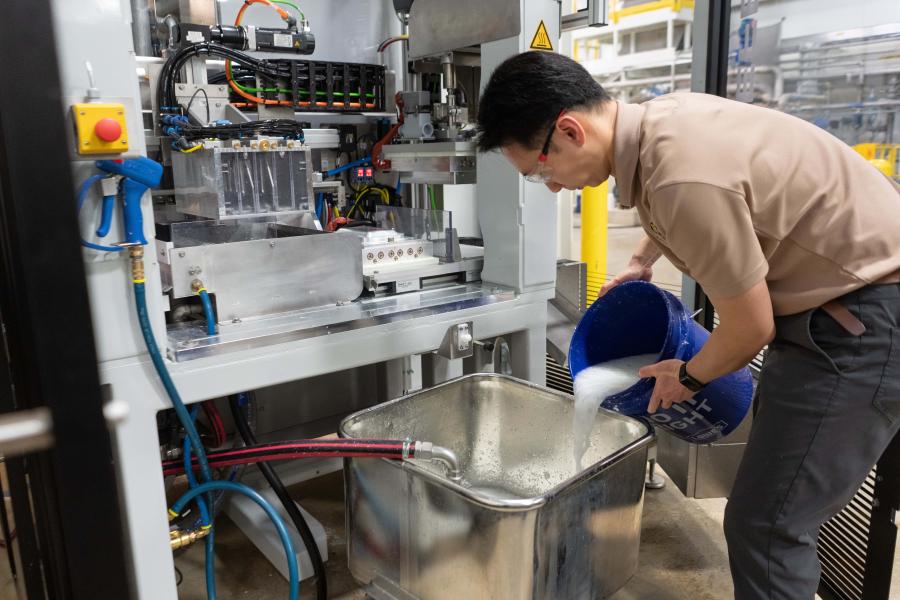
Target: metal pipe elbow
{"x": 428, "y": 451}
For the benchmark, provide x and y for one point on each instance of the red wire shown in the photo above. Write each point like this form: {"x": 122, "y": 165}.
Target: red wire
{"x": 380, "y": 163}
{"x": 215, "y": 420}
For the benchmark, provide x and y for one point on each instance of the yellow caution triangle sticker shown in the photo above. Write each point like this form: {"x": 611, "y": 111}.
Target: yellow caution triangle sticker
{"x": 541, "y": 39}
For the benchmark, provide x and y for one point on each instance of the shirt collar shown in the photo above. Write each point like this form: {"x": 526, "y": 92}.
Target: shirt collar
{"x": 626, "y": 148}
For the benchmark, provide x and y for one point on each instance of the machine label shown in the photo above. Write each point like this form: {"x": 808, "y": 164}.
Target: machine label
{"x": 282, "y": 40}
{"x": 194, "y": 36}
{"x": 408, "y": 285}
{"x": 541, "y": 39}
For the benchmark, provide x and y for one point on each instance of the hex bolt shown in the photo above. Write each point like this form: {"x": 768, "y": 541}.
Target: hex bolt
{"x": 271, "y": 243}
{"x": 195, "y": 270}
{"x": 181, "y": 254}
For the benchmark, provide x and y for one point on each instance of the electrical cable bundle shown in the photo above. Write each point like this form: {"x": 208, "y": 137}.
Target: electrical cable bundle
{"x": 285, "y": 128}
{"x": 177, "y": 125}
{"x": 366, "y": 199}
{"x": 166, "y": 88}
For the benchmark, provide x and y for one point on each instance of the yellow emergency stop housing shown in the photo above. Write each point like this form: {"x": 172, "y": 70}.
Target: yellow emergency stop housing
{"x": 87, "y": 116}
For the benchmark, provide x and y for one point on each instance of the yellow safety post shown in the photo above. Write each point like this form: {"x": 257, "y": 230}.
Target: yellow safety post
{"x": 594, "y": 221}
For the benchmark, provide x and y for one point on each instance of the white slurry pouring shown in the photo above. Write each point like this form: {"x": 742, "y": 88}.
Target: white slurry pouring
{"x": 593, "y": 385}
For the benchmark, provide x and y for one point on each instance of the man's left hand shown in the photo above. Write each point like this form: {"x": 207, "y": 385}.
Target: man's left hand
{"x": 668, "y": 389}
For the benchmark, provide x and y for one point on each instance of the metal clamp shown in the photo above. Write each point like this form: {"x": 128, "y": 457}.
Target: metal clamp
{"x": 458, "y": 342}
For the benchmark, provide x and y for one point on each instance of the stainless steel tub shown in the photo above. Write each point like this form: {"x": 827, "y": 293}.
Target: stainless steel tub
{"x": 522, "y": 523}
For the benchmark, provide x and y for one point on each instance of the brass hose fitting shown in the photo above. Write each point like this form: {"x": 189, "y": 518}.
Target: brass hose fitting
{"x": 136, "y": 253}
{"x": 180, "y": 539}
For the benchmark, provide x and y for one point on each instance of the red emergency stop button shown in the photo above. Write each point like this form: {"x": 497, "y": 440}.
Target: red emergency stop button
{"x": 108, "y": 130}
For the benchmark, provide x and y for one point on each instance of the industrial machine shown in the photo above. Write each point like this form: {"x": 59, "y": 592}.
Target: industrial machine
{"x": 282, "y": 214}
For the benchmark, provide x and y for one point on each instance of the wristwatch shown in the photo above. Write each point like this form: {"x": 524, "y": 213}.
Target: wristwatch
{"x": 685, "y": 378}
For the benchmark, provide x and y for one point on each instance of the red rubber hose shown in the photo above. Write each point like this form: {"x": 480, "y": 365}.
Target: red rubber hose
{"x": 393, "y": 449}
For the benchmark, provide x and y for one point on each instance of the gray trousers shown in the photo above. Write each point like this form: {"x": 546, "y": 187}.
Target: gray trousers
{"x": 829, "y": 404}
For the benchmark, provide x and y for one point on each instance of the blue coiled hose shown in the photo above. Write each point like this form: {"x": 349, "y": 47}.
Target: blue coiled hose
{"x": 191, "y": 434}
{"x": 205, "y": 519}
{"x": 209, "y": 485}
{"x": 181, "y": 411}
{"x": 293, "y": 574}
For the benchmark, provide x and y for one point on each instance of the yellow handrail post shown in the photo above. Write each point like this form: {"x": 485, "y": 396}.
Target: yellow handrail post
{"x": 594, "y": 221}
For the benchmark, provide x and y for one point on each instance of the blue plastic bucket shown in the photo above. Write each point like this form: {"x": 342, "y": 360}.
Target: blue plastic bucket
{"x": 639, "y": 318}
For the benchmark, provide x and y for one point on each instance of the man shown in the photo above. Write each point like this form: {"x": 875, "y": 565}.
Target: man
{"x": 795, "y": 240}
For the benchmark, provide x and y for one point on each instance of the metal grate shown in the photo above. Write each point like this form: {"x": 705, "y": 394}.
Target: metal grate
{"x": 595, "y": 282}
{"x": 843, "y": 543}
{"x": 558, "y": 377}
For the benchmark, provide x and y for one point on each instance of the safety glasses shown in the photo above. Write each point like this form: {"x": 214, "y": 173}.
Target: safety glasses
{"x": 542, "y": 172}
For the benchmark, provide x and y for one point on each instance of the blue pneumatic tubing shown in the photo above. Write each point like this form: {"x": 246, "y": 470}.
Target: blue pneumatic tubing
{"x": 320, "y": 198}
{"x": 210, "y": 563}
{"x": 140, "y": 300}
{"x": 205, "y": 520}
{"x": 189, "y": 472}
{"x": 348, "y": 166}
{"x": 208, "y": 312}
{"x": 280, "y": 527}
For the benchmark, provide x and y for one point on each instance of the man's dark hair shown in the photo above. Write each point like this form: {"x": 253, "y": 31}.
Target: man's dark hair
{"x": 527, "y": 92}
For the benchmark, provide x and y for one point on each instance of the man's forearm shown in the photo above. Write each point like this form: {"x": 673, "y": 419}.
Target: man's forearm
{"x": 724, "y": 352}
{"x": 646, "y": 253}
{"x": 746, "y": 324}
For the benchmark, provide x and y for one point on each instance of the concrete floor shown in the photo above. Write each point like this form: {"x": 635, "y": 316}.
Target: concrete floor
{"x": 682, "y": 556}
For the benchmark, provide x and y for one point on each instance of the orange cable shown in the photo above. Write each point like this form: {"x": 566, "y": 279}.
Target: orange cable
{"x": 237, "y": 21}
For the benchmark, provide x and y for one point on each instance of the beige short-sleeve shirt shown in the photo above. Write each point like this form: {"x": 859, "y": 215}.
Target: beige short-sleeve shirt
{"x": 734, "y": 193}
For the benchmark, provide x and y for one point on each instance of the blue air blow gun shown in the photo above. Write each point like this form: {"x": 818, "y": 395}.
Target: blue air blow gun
{"x": 128, "y": 179}
{"x": 138, "y": 174}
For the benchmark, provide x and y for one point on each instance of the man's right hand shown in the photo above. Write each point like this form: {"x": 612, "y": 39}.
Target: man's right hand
{"x": 635, "y": 271}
